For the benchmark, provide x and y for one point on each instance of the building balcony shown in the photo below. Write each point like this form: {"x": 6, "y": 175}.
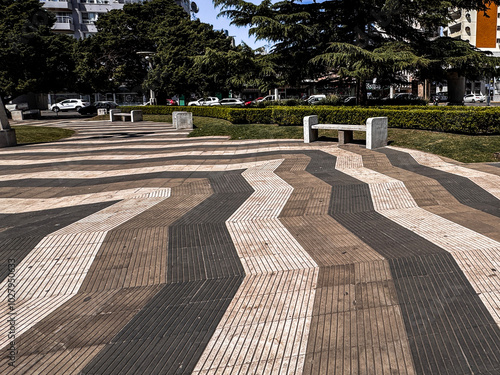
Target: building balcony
{"x": 63, "y": 24}
{"x": 58, "y": 5}
{"x": 456, "y": 14}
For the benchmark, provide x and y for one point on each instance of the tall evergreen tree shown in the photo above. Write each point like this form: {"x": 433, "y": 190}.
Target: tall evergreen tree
{"x": 355, "y": 38}
{"x": 33, "y": 59}
{"x": 109, "y": 59}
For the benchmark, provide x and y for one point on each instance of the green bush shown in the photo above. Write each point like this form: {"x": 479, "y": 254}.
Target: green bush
{"x": 460, "y": 119}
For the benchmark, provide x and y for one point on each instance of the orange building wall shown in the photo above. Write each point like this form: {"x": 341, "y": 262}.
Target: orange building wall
{"x": 486, "y": 31}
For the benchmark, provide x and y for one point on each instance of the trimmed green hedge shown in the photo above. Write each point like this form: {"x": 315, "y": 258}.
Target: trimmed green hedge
{"x": 460, "y": 119}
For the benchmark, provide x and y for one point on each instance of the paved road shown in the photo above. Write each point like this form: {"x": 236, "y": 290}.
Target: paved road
{"x": 136, "y": 250}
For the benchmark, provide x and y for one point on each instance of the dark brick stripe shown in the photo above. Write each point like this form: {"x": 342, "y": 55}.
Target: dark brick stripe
{"x": 20, "y": 233}
{"x": 204, "y": 272}
{"x": 463, "y": 189}
{"x": 445, "y": 320}
{"x": 170, "y": 333}
{"x": 148, "y": 149}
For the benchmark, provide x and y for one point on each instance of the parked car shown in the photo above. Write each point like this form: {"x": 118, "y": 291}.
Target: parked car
{"x": 92, "y": 109}
{"x": 472, "y": 98}
{"x": 266, "y": 98}
{"x": 314, "y": 99}
{"x": 405, "y": 96}
{"x": 204, "y": 101}
{"x": 172, "y": 102}
{"x": 69, "y": 105}
{"x": 230, "y": 102}
{"x": 250, "y": 103}
{"x": 440, "y": 97}
{"x": 106, "y": 104}
{"x": 351, "y": 100}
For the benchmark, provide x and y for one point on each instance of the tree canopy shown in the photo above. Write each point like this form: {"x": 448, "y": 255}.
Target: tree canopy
{"x": 34, "y": 59}
{"x": 109, "y": 59}
{"x": 359, "y": 38}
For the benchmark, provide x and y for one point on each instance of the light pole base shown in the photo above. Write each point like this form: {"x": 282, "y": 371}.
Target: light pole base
{"x": 8, "y": 138}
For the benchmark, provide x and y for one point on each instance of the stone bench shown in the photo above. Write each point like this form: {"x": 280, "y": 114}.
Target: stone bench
{"x": 22, "y": 111}
{"x": 118, "y": 115}
{"x": 375, "y": 128}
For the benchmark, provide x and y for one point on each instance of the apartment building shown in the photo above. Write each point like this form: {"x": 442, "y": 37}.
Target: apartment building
{"x": 481, "y": 30}
{"x": 77, "y": 17}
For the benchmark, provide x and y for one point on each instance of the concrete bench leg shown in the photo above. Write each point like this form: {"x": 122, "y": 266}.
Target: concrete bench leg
{"x": 376, "y": 132}
{"x": 310, "y": 135}
{"x": 112, "y": 116}
{"x": 345, "y": 136}
{"x": 136, "y": 116}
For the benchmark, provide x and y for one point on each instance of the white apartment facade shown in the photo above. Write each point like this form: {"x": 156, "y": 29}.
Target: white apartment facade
{"x": 77, "y": 17}
{"x": 482, "y": 31}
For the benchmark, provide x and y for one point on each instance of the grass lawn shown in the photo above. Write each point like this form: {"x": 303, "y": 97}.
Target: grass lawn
{"x": 39, "y": 134}
{"x": 463, "y": 148}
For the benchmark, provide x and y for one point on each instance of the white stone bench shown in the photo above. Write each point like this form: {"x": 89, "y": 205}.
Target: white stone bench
{"x": 375, "y": 128}
{"x": 118, "y": 115}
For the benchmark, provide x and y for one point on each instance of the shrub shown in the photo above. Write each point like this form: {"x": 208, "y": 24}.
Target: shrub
{"x": 467, "y": 120}
{"x": 330, "y": 100}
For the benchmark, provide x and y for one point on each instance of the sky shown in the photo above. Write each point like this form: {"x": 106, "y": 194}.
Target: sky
{"x": 208, "y": 14}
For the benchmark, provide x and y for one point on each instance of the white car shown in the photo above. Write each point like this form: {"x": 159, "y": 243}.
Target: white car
{"x": 69, "y": 105}
{"x": 472, "y": 98}
{"x": 313, "y": 99}
{"x": 204, "y": 101}
{"x": 230, "y": 102}
{"x": 267, "y": 98}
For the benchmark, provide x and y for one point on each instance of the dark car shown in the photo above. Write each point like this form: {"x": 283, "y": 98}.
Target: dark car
{"x": 88, "y": 110}
{"x": 92, "y": 109}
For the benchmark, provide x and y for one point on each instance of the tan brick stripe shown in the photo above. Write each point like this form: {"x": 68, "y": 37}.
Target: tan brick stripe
{"x": 355, "y": 302}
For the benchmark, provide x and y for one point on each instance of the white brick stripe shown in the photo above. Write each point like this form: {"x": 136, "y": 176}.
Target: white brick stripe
{"x": 266, "y": 326}
{"x": 19, "y": 205}
{"x": 132, "y": 171}
{"x": 55, "y": 269}
{"x": 135, "y": 156}
{"x": 463, "y": 243}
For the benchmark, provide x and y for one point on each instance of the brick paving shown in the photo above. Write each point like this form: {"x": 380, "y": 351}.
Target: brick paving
{"x": 138, "y": 250}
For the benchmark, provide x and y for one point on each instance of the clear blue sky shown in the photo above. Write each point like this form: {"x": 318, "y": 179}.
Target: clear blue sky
{"x": 208, "y": 14}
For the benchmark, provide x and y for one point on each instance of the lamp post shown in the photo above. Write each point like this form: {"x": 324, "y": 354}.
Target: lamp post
{"x": 147, "y": 56}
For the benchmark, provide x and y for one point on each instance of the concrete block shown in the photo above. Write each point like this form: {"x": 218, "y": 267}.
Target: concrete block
{"x": 17, "y": 115}
{"x": 136, "y": 116}
{"x": 182, "y": 120}
{"x": 310, "y": 135}
{"x": 376, "y": 132}
{"x": 111, "y": 113}
{"x": 8, "y": 138}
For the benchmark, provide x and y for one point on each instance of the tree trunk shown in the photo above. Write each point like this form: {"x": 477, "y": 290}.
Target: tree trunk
{"x": 456, "y": 87}
{"x": 361, "y": 97}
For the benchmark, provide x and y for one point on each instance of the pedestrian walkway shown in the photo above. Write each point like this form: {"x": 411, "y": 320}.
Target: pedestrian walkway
{"x": 134, "y": 249}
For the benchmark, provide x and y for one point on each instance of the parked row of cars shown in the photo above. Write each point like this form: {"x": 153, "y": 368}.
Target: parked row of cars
{"x": 86, "y": 108}
{"x": 228, "y": 102}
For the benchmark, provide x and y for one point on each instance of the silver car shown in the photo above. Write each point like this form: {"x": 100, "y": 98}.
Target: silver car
{"x": 230, "y": 102}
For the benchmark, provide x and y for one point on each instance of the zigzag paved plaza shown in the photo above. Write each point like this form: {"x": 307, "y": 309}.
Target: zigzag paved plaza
{"x": 134, "y": 249}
